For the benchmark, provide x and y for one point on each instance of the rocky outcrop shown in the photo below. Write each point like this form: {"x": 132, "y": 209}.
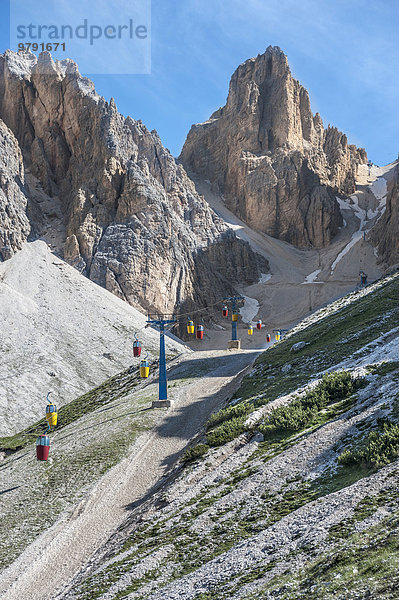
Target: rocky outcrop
{"x": 133, "y": 221}
{"x": 14, "y": 223}
{"x": 273, "y": 161}
{"x": 385, "y": 234}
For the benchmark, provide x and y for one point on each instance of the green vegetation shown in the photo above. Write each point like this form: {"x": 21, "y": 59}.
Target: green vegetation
{"x": 195, "y": 452}
{"x": 384, "y": 368}
{"x": 222, "y": 427}
{"x": 332, "y": 396}
{"x": 305, "y": 411}
{"x": 229, "y": 413}
{"x": 332, "y": 338}
{"x": 377, "y": 449}
{"x": 226, "y": 432}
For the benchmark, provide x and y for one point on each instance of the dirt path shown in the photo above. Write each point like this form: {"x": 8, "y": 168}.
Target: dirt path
{"x": 202, "y": 381}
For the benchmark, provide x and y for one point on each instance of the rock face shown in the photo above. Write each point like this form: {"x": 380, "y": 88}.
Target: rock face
{"x": 127, "y": 215}
{"x": 385, "y": 234}
{"x": 273, "y": 161}
{"x": 14, "y": 223}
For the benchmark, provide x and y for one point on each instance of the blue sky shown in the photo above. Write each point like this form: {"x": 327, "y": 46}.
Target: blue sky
{"x": 345, "y": 52}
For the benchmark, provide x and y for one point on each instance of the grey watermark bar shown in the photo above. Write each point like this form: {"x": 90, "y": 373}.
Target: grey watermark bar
{"x": 103, "y": 37}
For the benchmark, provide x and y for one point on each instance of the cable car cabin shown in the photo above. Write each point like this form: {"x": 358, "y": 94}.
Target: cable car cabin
{"x": 190, "y": 327}
{"x": 144, "y": 369}
{"x": 200, "y": 332}
{"x": 136, "y": 348}
{"x": 268, "y": 337}
{"x": 250, "y": 330}
{"x": 42, "y": 447}
{"x": 225, "y": 311}
{"x": 234, "y": 315}
{"x": 259, "y": 325}
{"x": 51, "y": 415}
{"x": 278, "y": 336}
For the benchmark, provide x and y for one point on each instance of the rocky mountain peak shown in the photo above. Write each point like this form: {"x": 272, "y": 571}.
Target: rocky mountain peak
{"x": 261, "y": 90}
{"x": 271, "y": 158}
{"x": 272, "y": 64}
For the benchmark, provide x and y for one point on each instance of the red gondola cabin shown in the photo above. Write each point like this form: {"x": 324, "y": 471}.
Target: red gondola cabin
{"x": 136, "y": 348}
{"x": 200, "y": 332}
{"x": 42, "y": 447}
{"x": 268, "y": 337}
{"x": 225, "y": 311}
{"x": 259, "y": 325}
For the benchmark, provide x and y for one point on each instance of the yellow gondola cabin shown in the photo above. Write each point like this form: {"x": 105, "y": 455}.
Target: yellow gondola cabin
{"x": 144, "y": 369}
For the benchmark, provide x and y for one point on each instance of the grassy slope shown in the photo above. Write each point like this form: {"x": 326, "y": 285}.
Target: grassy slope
{"x": 194, "y": 529}
{"x": 112, "y": 389}
{"x": 329, "y": 340}
{"x": 95, "y": 432}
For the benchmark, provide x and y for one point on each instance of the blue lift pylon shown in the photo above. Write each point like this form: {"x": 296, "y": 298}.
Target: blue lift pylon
{"x": 235, "y": 343}
{"x": 160, "y": 324}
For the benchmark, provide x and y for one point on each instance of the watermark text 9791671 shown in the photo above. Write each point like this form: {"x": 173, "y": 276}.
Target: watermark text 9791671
{"x": 35, "y": 47}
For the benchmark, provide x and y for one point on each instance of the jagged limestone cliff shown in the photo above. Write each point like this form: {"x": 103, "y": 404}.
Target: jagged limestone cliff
{"x": 125, "y": 213}
{"x": 14, "y": 224}
{"x": 386, "y": 232}
{"x": 273, "y": 161}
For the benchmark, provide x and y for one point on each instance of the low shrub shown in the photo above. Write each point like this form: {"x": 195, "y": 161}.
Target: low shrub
{"x": 305, "y": 411}
{"x": 226, "y": 432}
{"x": 195, "y": 452}
{"x": 226, "y": 414}
{"x": 292, "y": 417}
{"x": 377, "y": 449}
{"x": 228, "y": 423}
{"x": 338, "y": 385}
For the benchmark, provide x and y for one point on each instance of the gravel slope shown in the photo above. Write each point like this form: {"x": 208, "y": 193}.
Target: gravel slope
{"x": 258, "y": 518}
{"x": 198, "y": 386}
{"x": 61, "y": 333}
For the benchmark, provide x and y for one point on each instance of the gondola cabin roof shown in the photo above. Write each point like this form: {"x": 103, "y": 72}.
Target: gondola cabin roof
{"x": 43, "y": 440}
